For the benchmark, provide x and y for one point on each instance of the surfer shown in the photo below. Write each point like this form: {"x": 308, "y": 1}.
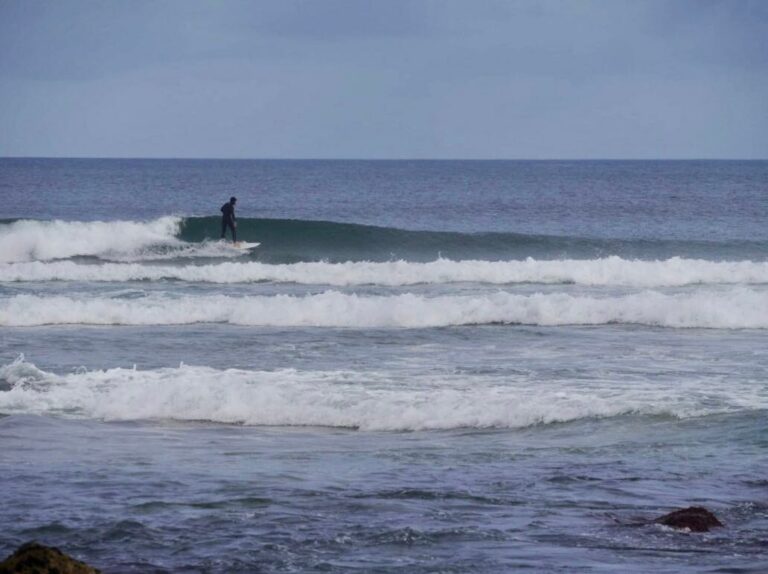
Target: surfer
{"x": 228, "y": 219}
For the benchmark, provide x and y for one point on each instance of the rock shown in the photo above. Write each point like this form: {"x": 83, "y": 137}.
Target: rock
{"x": 694, "y": 518}
{"x": 34, "y": 558}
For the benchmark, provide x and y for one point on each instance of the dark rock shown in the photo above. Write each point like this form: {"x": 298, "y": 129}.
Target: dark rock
{"x": 34, "y": 558}
{"x": 694, "y": 518}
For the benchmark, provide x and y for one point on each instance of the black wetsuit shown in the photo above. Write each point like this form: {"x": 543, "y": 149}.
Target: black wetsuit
{"x": 228, "y": 220}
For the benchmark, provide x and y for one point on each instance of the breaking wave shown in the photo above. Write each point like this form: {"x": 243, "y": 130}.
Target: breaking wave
{"x": 350, "y": 399}
{"x": 29, "y": 240}
{"x": 608, "y": 271}
{"x": 290, "y": 241}
{"x": 732, "y": 308}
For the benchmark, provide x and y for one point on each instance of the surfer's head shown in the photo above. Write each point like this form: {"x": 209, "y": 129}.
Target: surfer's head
{"x": 233, "y": 200}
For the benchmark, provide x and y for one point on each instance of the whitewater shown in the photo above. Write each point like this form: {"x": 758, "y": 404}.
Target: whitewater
{"x": 738, "y": 308}
{"x": 612, "y": 270}
{"x": 366, "y": 400}
{"x": 29, "y": 240}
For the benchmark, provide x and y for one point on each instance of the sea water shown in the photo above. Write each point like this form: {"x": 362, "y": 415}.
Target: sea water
{"x": 449, "y": 366}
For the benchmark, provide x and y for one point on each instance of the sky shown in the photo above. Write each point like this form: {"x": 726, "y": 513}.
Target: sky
{"x": 475, "y": 79}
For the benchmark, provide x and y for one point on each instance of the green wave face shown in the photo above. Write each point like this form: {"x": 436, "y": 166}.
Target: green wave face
{"x": 289, "y": 240}
{"x": 293, "y": 240}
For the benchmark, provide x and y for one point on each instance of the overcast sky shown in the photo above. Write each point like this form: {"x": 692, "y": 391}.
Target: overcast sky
{"x": 384, "y": 78}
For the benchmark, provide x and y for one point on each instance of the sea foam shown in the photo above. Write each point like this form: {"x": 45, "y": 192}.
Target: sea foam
{"x": 363, "y": 400}
{"x": 614, "y": 270}
{"x": 29, "y": 240}
{"x": 728, "y": 308}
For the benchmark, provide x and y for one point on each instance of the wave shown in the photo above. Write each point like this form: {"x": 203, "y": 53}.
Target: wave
{"x": 290, "y": 241}
{"x": 734, "y": 308}
{"x": 29, "y": 240}
{"x": 350, "y": 399}
{"x": 612, "y": 271}
{"x": 34, "y": 241}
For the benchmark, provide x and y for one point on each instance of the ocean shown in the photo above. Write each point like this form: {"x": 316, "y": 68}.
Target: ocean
{"x": 426, "y": 366}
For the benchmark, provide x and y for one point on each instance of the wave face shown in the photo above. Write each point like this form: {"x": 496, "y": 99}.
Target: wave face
{"x": 611, "y": 271}
{"x": 733, "y": 308}
{"x": 364, "y": 400}
{"x": 290, "y": 241}
{"x": 287, "y": 240}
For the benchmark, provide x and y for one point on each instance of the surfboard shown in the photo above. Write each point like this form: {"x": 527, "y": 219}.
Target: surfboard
{"x": 245, "y": 245}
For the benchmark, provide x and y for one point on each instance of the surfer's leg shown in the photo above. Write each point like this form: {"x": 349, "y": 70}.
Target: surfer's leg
{"x": 223, "y": 228}
{"x": 234, "y": 232}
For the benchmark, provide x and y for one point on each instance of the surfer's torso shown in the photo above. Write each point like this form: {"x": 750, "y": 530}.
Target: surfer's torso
{"x": 228, "y": 212}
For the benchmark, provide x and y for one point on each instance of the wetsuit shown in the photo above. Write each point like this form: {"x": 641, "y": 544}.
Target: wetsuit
{"x": 228, "y": 220}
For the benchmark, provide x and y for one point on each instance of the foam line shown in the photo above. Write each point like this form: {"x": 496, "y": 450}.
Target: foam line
{"x": 363, "y": 400}
{"x": 732, "y": 308}
{"x": 614, "y": 270}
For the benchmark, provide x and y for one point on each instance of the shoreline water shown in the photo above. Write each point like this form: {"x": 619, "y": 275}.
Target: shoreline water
{"x": 271, "y": 476}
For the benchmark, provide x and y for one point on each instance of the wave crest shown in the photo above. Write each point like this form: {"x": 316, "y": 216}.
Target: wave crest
{"x": 29, "y": 240}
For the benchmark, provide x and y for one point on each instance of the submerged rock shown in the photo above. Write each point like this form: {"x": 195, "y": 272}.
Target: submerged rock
{"x": 694, "y": 518}
{"x": 34, "y": 558}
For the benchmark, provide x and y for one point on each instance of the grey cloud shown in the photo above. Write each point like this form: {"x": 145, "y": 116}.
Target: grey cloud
{"x": 398, "y": 78}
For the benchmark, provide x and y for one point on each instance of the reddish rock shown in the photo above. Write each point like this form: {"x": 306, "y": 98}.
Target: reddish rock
{"x": 34, "y": 558}
{"x": 694, "y": 518}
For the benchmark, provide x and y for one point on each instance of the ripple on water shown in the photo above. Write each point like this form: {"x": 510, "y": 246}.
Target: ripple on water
{"x": 160, "y": 505}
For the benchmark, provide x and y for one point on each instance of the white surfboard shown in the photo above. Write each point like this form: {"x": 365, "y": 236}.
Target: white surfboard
{"x": 245, "y": 245}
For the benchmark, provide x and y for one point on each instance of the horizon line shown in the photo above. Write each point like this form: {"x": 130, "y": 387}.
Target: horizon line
{"x": 424, "y": 159}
